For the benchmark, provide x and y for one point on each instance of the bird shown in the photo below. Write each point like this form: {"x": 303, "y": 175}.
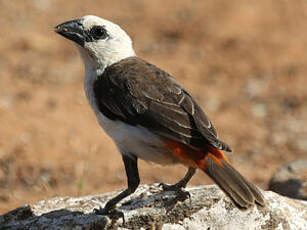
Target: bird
{"x": 148, "y": 114}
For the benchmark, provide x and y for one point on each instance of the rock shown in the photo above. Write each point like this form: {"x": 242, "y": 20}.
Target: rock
{"x": 291, "y": 180}
{"x": 208, "y": 208}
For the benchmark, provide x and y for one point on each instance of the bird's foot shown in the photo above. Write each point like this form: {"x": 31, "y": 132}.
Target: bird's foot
{"x": 174, "y": 187}
{"x": 181, "y": 195}
{"x": 111, "y": 212}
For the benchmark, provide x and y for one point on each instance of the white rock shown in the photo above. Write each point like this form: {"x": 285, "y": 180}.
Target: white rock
{"x": 209, "y": 208}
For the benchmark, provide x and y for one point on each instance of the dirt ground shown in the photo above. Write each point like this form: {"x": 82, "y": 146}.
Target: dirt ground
{"x": 244, "y": 62}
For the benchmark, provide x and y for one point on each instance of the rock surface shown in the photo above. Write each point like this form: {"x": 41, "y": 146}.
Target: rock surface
{"x": 291, "y": 180}
{"x": 208, "y": 208}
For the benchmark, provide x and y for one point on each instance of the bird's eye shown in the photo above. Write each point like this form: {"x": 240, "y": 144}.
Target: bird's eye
{"x": 98, "y": 32}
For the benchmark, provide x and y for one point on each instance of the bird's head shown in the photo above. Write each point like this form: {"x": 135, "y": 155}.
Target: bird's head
{"x": 101, "y": 42}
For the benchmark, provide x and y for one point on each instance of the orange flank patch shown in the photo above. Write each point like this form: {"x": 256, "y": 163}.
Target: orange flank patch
{"x": 195, "y": 158}
{"x": 218, "y": 154}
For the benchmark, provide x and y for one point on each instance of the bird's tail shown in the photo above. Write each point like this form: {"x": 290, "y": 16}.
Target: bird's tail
{"x": 241, "y": 191}
{"x": 214, "y": 163}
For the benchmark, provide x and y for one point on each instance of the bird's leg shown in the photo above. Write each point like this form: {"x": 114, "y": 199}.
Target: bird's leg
{"x": 133, "y": 182}
{"x": 181, "y": 195}
{"x": 180, "y": 184}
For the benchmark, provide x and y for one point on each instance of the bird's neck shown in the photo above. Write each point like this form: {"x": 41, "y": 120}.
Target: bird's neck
{"x": 95, "y": 68}
{"x": 97, "y": 62}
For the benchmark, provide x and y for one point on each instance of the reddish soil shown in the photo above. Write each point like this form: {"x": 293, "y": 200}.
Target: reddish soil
{"x": 244, "y": 61}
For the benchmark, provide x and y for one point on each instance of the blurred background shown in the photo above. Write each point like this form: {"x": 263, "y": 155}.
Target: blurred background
{"x": 244, "y": 62}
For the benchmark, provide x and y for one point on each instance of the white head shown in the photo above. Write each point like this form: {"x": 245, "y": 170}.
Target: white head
{"x": 101, "y": 42}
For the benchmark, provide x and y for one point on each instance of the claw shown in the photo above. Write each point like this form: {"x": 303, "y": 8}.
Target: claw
{"x": 183, "y": 195}
{"x": 167, "y": 187}
{"x": 180, "y": 197}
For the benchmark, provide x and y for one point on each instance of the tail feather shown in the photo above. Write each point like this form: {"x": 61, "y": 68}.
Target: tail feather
{"x": 241, "y": 191}
{"x": 213, "y": 162}
{"x": 259, "y": 199}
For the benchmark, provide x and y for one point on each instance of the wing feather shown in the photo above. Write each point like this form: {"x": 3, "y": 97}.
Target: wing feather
{"x": 139, "y": 93}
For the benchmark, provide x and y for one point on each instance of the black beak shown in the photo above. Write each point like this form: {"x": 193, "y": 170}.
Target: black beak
{"x": 72, "y": 30}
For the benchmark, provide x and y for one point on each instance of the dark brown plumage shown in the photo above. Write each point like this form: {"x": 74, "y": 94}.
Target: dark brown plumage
{"x": 139, "y": 93}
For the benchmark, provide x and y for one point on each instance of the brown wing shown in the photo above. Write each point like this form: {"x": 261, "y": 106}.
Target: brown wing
{"x": 139, "y": 93}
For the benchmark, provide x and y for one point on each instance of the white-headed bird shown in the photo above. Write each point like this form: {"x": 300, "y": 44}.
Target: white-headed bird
{"x": 148, "y": 114}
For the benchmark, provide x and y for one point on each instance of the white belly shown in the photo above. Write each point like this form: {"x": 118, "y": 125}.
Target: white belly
{"x": 136, "y": 140}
